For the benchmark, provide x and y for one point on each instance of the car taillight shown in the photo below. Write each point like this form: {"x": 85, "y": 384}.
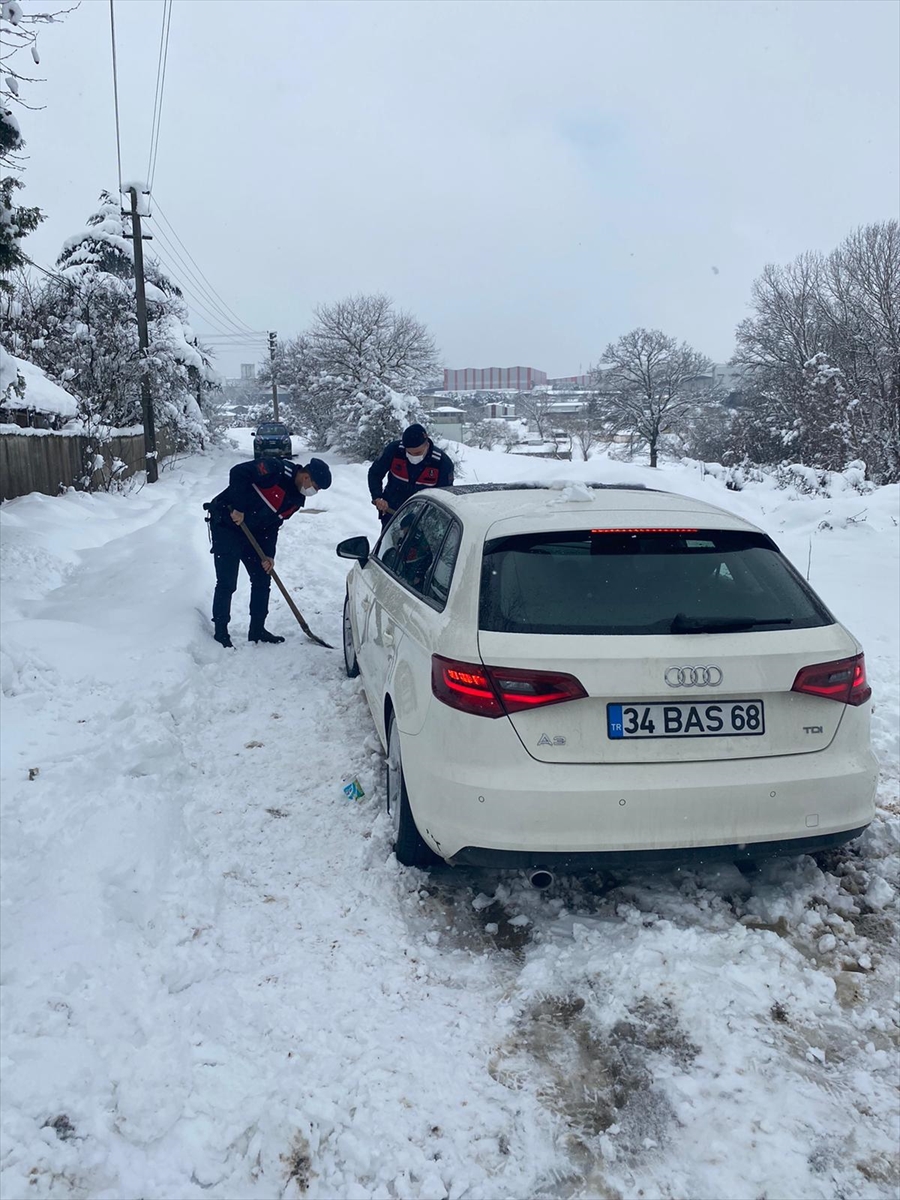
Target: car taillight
{"x": 493, "y": 691}
{"x": 843, "y": 680}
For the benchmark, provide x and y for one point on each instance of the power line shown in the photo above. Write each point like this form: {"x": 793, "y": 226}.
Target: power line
{"x": 204, "y": 293}
{"x": 191, "y": 299}
{"x": 112, "y": 30}
{"x": 156, "y": 93}
{"x": 161, "y": 82}
{"x": 237, "y": 320}
{"x": 198, "y": 303}
{"x": 53, "y": 274}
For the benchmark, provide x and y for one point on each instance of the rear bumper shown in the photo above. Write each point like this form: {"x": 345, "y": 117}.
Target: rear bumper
{"x": 493, "y": 798}
{"x": 479, "y": 856}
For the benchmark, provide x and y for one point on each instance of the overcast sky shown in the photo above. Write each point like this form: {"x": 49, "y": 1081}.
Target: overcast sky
{"x": 529, "y": 178}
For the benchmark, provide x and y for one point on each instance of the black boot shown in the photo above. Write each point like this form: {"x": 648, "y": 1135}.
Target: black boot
{"x": 222, "y": 637}
{"x": 261, "y": 634}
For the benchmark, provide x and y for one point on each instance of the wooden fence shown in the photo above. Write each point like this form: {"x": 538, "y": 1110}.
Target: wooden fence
{"x": 42, "y": 461}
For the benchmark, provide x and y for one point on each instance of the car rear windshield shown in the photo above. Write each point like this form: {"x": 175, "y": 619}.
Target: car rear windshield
{"x": 593, "y": 581}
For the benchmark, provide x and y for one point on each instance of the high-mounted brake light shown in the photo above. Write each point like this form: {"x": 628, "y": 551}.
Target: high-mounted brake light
{"x": 843, "y": 680}
{"x": 495, "y": 691}
{"x": 644, "y": 530}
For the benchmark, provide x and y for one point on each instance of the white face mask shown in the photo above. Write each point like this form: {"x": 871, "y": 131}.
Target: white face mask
{"x": 308, "y": 491}
{"x": 414, "y": 458}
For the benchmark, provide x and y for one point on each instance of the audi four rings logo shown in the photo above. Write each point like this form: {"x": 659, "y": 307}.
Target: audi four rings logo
{"x": 693, "y": 677}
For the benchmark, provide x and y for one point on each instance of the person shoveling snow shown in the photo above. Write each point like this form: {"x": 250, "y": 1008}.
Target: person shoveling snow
{"x": 261, "y": 494}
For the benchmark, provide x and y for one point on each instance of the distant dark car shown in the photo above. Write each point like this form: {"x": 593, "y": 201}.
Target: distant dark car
{"x": 272, "y": 438}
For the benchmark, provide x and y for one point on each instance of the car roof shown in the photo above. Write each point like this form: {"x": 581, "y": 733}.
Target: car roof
{"x": 524, "y": 507}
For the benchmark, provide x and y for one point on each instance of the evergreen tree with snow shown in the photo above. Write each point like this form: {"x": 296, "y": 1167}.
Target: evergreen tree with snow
{"x": 90, "y": 344}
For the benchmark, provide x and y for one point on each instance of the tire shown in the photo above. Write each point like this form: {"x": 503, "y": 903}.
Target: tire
{"x": 351, "y": 666}
{"x": 409, "y": 845}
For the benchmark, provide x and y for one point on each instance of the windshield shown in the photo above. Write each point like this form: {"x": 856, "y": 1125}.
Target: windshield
{"x": 598, "y": 582}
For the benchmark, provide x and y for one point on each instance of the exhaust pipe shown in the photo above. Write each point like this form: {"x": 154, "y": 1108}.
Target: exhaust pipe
{"x": 541, "y": 879}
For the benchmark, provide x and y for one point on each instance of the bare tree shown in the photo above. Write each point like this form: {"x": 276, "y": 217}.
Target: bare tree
{"x": 647, "y": 384}
{"x": 587, "y": 427}
{"x": 822, "y": 347}
{"x": 537, "y": 408}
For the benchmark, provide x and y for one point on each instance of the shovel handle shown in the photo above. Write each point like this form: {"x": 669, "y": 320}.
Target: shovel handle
{"x": 293, "y": 607}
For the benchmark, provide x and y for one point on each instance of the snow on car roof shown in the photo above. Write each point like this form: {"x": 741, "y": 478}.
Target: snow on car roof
{"x": 534, "y": 505}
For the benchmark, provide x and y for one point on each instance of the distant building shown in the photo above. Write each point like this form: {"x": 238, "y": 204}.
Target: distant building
{"x": 446, "y": 421}
{"x": 570, "y": 381}
{"x": 248, "y": 371}
{"x": 491, "y": 379}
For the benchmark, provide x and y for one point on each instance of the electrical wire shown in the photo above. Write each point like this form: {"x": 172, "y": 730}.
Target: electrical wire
{"x": 190, "y": 299}
{"x": 237, "y": 320}
{"x": 112, "y": 30}
{"x": 197, "y": 303}
{"x": 53, "y": 274}
{"x": 164, "y": 52}
{"x": 156, "y": 92}
{"x": 198, "y": 288}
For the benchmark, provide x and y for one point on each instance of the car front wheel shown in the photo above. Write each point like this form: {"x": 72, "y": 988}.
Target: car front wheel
{"x": 351, "y": 666}
{"x": 409, "y": 845}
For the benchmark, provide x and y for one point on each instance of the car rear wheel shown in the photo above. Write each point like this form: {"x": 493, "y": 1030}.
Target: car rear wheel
{"x": 351, "y": 666}
{"x": 409, "y": 845}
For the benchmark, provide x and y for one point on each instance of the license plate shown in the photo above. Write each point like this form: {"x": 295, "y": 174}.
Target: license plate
{"x": 724, "y": 718}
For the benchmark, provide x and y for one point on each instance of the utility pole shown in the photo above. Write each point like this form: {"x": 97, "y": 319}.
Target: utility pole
{"x": 150, "y": 457}
{"x": 273, "y": 342}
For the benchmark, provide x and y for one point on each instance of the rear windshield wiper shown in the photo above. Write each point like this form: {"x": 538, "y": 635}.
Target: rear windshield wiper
{"x": 685, "y": 624}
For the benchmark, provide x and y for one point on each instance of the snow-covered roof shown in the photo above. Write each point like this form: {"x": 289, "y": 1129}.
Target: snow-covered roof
{"x": 448, "y": 408}
{"x": 41, "y": 393}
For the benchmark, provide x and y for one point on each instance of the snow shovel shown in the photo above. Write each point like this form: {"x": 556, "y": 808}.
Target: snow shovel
{"x": 294, "y": 609}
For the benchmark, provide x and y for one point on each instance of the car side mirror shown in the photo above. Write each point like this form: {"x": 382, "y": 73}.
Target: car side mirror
{"x": 355, "y": 547}
{"x": 253, "y": 433}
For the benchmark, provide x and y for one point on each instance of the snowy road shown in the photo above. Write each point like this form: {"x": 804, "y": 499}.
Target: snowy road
{"x": 216, "y": 981}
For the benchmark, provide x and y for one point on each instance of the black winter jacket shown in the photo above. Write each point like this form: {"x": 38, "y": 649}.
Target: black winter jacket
{"x": 404, "y": 478}
{"x": 263, "y": 490}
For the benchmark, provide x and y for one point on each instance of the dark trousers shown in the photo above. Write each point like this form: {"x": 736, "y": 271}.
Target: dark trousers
{"x": 230, "y": 548}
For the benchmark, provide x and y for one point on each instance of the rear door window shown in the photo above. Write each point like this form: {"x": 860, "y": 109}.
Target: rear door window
{"x": 593, "y": 581}
{"x": 442, "y": 574}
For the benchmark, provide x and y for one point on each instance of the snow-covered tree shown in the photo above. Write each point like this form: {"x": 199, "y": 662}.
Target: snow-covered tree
{"x": 485, "y": 433}
{"x": 822, "y": 347}
{"x": 647, "y": 385}
{"x": 353, "y": 375}
{"x": 370, "y": 359}
{"x": 82, "y": 330}
{"x": 305, "y": 401}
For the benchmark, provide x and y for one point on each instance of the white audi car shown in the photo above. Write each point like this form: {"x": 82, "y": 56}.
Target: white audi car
{"x": 565, "y": 677}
